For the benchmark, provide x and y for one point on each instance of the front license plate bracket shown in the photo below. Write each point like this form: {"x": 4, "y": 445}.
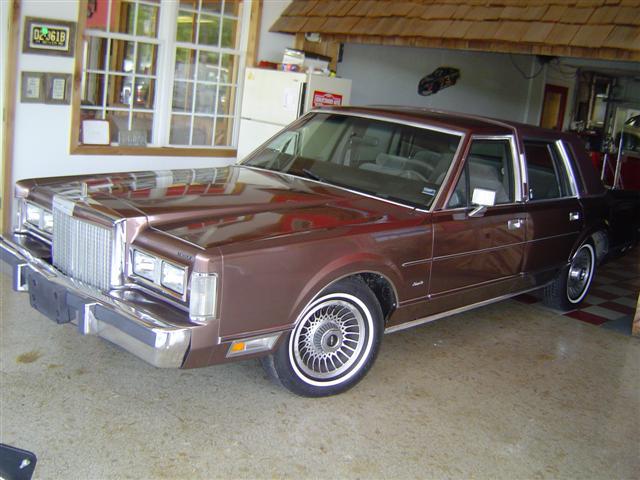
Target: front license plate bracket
{"x": 48, "y": 298}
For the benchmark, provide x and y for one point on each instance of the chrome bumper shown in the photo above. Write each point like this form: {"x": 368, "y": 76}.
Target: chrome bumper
{"x": 150, "y": 338}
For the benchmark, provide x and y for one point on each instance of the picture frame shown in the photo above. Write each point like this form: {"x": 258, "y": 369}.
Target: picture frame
{"x": 32, "y": 87}
{"x": 44, "y": 36}
{"x": 57, "y": 88}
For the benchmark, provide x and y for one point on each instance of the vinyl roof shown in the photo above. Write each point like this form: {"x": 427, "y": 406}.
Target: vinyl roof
{"x": 603, "y": 29}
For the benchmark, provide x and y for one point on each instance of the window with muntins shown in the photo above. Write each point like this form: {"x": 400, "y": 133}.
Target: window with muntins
{"x": 164, "y": 72}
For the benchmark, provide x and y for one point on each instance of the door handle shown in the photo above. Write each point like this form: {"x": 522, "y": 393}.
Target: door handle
{"x": 573, "y": 216}
{"x": 514, "y": 224}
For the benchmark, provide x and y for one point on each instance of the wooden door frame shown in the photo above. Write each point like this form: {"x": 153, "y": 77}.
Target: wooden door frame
{"x": 10, "y": 95}
{"x": 564, "y": 92}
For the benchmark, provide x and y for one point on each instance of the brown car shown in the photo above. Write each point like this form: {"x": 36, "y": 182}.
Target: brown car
{"x": 351, "y": 223}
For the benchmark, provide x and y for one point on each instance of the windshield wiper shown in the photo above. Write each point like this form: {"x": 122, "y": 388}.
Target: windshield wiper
{"x": 309, "y": 174}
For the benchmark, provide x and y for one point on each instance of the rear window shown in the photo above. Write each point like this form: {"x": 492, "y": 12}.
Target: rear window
{"x": 548, "y": 177}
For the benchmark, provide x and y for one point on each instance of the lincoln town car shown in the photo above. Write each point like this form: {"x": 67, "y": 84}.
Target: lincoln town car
{"x": 348, "y": 224}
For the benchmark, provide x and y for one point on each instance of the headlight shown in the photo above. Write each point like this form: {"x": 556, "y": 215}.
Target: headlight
{"x": 34, "y": 214}
{"x": 145, "y": 265}
{"x": 47, "y": 222}
{"x": 204, "y": 293}
{"x": 173, "y": 277}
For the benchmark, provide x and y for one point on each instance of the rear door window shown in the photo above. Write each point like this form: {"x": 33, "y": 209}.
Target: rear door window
{"x": 548, "y": 177}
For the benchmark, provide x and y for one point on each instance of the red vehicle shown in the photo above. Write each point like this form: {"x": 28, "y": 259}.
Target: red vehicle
{"x": 351, "y": 223}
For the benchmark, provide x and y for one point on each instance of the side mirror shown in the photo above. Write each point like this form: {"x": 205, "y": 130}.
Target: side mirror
{"x": 482, "y": 198}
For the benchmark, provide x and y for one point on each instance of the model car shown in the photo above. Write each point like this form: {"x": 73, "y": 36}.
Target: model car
{"x": 349, "y": 224}
{"x": 439, "y": 79}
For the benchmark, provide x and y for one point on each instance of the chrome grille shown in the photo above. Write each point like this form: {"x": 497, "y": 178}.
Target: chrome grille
{"x": 82, "y": 250}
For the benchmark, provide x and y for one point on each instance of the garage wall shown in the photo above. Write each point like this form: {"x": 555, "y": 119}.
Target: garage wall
{"x": 271, "y": 45}
{"x": 42, "y": 132}
{"x": 489, "y": 83}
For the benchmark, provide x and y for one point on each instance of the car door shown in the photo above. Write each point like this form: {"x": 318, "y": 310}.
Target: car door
{"x": 553, "y": 212}
{"x": 478, "y": 249}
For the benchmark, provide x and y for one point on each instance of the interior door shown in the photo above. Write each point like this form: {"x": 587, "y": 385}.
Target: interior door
{"x": 478, "y": 249}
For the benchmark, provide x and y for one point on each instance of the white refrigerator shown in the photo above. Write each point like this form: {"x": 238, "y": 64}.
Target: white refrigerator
{"x": 272, "y": 99}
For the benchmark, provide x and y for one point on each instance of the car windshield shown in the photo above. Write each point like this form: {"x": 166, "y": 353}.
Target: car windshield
{"x": 389, "y": 160}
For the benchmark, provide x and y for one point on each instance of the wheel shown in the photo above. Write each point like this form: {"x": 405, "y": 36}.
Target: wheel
{"x": 334, "y": 343}
{"x": 572, "y": 284}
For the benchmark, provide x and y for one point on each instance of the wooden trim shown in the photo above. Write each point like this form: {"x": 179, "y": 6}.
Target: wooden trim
{"x": 154, "y": 151}
{"x": 76, "y": 93}
{"x": 254, "y": 33}
{"x": 10, "y": 92}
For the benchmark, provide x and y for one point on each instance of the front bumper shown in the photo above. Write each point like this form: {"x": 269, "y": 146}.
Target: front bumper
{"x": 115, "y": 319}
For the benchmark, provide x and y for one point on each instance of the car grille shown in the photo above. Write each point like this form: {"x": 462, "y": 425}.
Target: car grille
{"x": 82, "y": 250}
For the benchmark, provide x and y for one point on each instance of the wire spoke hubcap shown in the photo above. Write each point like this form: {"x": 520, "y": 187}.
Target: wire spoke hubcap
{"x": 579, "y": 274}
{"x": 329, "y": 339}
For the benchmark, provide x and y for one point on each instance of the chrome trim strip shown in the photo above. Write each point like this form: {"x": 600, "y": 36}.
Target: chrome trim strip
{"x": 517, "y": 172}
{"x": 482, "y": 250}
{"x": 421, "y": 125}
{"x": 438, "y": 316}
{"x": 568, "y": 168}
{"x": 416, "y": 262}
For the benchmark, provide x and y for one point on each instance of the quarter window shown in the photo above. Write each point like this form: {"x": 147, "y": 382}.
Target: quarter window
{"x": 546, "y": 172}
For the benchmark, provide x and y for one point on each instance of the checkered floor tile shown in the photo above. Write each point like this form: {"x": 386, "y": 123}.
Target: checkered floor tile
{"x": 613, "y": 296}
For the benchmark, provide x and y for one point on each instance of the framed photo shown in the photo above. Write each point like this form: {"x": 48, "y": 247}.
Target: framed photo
{"x": 57, "y": 88}
{"x": 32, "y": 89}
{"x": 49, "y": 37}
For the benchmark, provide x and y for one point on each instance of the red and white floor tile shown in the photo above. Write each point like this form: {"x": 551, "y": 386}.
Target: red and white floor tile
{"x": 613, "y": 296}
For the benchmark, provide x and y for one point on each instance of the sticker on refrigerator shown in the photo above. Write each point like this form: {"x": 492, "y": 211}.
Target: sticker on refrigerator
{"x": 325, "y": 99}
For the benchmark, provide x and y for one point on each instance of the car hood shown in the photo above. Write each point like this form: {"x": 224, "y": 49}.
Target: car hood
{"x": 216, "y": 206}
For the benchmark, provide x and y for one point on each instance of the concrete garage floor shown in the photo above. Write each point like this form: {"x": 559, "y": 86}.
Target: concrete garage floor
{"x": 507, "y": 391}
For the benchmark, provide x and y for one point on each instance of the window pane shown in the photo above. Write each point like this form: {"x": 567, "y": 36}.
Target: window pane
{"x": 143, "y": 122}
{"x": 123, "y": 16}
{"x": 224, "y": 132}
{"x": 186, "y": 27}
{"x": 202, "y": 131}
{"x": 212, "y": 6}
{"x": 96, "y": 15}
{"x": 228, "y": 71}
{"x": 182, "y": 97}
{"x": 229, "y": 33}
{"x": 192, "y": 4}
{"x": 120, "y": 90}
{"x": 209, "y": 30}
{"x": 205, "y": 98}
{"x": 121, "y": 56}
{"x": 144, "y": 93}
{"x": 490, "y": 168}
{"x": 543, "y": 177}
{"x": 231, "y": 7}
{"x": 208, "y": 69}
{"x": 146, "y": 61}
{"x": 93, "y": 89}
{"x": 118, "y": 121}
{"x": 185, "y": 63}
{"x": 96, "y": 49}
{"x": 147, "y": 21}
{"x": 226, "y": 97}
{"x": 180, "y": 130}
